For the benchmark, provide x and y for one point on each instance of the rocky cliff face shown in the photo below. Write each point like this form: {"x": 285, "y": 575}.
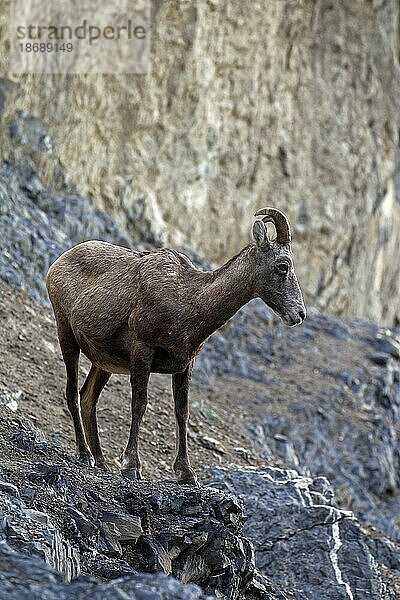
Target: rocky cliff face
{"x": 277, "y": 410}
{"x": 294, "y": 105}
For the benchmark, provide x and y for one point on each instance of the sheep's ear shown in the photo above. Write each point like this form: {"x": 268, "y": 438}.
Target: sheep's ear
{"x": 260, "y": 234}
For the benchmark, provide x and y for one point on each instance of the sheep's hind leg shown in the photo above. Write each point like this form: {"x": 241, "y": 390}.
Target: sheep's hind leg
{"x": 70, "y": 351}
{"x": 180, "y": 386}
{"x": 141, "y": 359}
{"x": 89, "y": 394}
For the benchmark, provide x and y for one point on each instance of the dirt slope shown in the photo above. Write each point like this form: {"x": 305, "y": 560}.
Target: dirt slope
{"x": 30, "y": 359}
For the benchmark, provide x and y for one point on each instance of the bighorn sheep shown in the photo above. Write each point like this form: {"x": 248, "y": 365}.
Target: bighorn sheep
{"x": 141, "y": 312}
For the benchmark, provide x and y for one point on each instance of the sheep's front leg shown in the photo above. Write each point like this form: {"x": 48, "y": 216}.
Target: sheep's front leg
{"x": 180, "y": 385}
{"x": 141, "y": 359}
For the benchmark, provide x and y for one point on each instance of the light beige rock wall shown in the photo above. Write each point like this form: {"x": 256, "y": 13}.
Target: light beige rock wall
{"x": 287, "y": 103}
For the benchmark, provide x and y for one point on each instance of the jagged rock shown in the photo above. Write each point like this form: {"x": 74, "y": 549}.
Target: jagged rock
{"x": 27, "y": 578}
{"x": 50, "y": 474}
{"x": 27, "y": 437}
{"x": 75, "y": 519}
{"x": 301, "y": 539}
{"x": 384, "y": 550}
{"x": 85, "y": 526}
{"x": 37, "y": 225}
{"x": 32, "y": 532}
{"x": 199, "y": 537}
{"x": 9, "y": 488}
{"x": 118, "y": 528}
{"x": 346, "y": 428}
{"x": 156, "y": 557}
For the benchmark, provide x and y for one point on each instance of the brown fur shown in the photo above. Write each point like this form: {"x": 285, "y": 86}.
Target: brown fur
{"x": 140, "y": 312}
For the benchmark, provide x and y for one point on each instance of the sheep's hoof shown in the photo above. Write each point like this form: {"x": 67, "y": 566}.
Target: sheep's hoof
{"x": 86, "y": 459}
{"x": 192, "y": 481}
{"x": 134, "y": 474}
{"x": 189, "y": 480}
{"x": 101, "y": 464}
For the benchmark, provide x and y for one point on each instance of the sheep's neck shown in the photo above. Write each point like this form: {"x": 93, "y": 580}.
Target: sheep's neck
{"x": 226, "y": 290}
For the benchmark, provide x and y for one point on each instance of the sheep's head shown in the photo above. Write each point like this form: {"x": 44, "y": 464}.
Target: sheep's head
{"x": 275, "y": 280}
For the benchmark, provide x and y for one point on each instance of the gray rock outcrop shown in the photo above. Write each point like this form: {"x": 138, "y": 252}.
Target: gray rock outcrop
{"x": 27, "y": 578}
{"x": 79, "y": 521}
{"x": 302, "y": 540}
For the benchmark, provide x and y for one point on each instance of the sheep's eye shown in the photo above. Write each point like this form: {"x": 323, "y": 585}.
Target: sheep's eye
{"x": 282, "y": 267}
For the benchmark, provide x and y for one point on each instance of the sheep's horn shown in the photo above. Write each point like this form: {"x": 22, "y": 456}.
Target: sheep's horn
{"x": 272, "y": 215}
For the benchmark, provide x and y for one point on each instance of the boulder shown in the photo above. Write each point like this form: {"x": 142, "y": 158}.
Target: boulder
{"x": 301, "y": 539}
